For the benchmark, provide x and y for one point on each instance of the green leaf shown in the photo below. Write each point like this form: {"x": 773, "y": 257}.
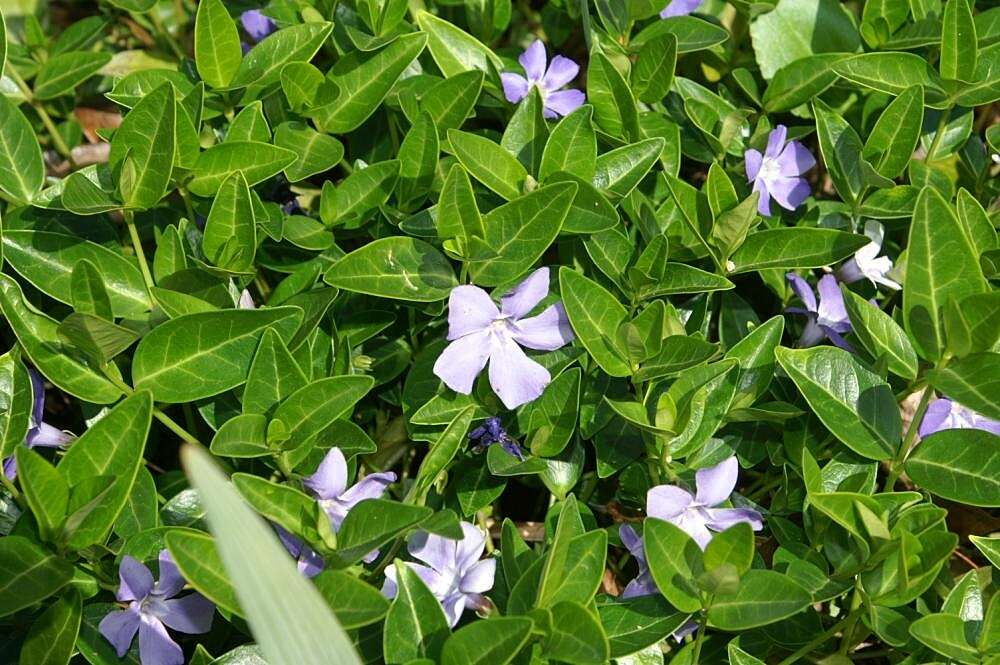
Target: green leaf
{"x": 354, "y": 602}
{"x": 972, "y": 324}
{"x": 488, "y": 163}
{"x": 415, "y": 626}
{"x": 197, "y": 557}
{"x": 274, "y": 375}
{"x": 244, "y": 436}
{"x": 283, "y": 505}
{"x": 45, "y": 489}
{"x": 519, "y": 232}
{"x": 847, "y": 398}
{"x": 958, "y": 34}
{"x": 895, "y": 135}
{"x": 88, "y": 293}
{"x": 972, "y": 381}
{"x": 315, "y": 152}
{"x": 800, "y": 28}
{"x": 493, "y": 642}
{"x": 62, "y": 73}
{"x": 310, "y": 410}
{"x": 48, "y": 260}
{"x": 614, "y": 104}
{"x": 802, "y": 247}
{"x": 457, "y": 212}
{"x": 572, "y": 146}
{"x": 359, "y": 194}
{"x": 22, "y": 172}
{"x": 881, "y": 335}
{"x": 396, "y": 267}
{"x": 941, "y": 264}
{"x": 230, "y": 238}
{"x": 287, "y": 615}
{"x": 576, "y": 636}
{"x": 692, "y": 33}
{"x": 763, "y": 597}
{"x": 633, "y": 624}
{"x": 595, "y": 314}
{"x": 800, "y": 81}
{"x": 675, "y": 561}
{"x": 653, "y": 71}
{"x": 261, "y": 67}
{"x": 893, "y": 74}
{"x": 454, "y": 50}
{"x": 28, "y": 574}
{"x": 52, "y": 637}
{"x": 364, "y": 79}
{"x": 946, "y": 634}
{"x": 958, "y": 464}
{"x": 16, "y": 402}
{"x": 370, "y": 525}
{"x": 451, "y": 101}
{"x": 3, "y": 44}
{"x": 113, "y": 446}
{"x": 257, "y": 161}
{"x": 143, "y": 149}
{"x": 841, "y": 148}
{"x": 527, "y": 132}
{"x": 200, "y": 355}
{"x": 250, "y": 124}
{"x": 620, "y": 170}
{"x": 216, "y": 44}
{"x": 443, "y": 451}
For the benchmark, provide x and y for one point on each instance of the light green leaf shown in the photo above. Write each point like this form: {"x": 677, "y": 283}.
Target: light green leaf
{"x": 396, "y": 267}
{"x": 216, "y": 44}
{"x": 802, "y": 247}
{"x": 230, "y": 238}
{"x": 28, "y": 574}
{"x": 22, "y": 172}
{"x": 595, "y": 314}
{"x": 62, "y": 73}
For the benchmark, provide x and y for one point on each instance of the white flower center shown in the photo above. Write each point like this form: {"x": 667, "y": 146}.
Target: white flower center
{"x": 769, "y": 169}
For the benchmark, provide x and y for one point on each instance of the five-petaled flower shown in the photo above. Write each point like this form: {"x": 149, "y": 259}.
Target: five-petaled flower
{"x": 480, "y": 332}
{"x": 257, "y": 24}
{"x": 777, "y": 173}
{"x": 454, "y": 572}
{"x": 548, "y": 81}
{"x": 680, "y": 8}
{"x": 40, "y": 433}
{"x": 698, "y": 515}
{"x": 944, "y": 413}
{"x": 491, "y": 432}
{"x": 867, "y": 264}
{"x": 329, "y": 485}
{"x": 152, "y": 609}
{"x": 828, "y": 318}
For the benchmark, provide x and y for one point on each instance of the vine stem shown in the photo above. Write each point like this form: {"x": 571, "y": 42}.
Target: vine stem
{"x": 942, "y": 123}
{"x": 699, "y": 639}
{"x": 820, "y": 639}
{"x": 57, "y": 140}
{"x": 137, "y": 245}
{"x": 167, "y": 421}
{"x": 896, "y": 468}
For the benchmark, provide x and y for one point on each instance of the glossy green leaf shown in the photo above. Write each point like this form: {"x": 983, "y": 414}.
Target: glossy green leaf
{"x": 763, "y": 597}
{"x": 63, "y": 73}
{"x": 143, "y": 148}
{"x": 257, "y": 161}
{"x": 881, "y": 335}
{"x": 803, "y": 247}
{"x": 52, "y": 637}
{"x": 22, "y": 172}
{"x": 216, "y": 44}
{"x": 230, "y": 237}
{"x": 28, "y": 574}
{"x": 397, "y": 267}
{"x": 415, "y": 626}
{"x": 488, "y": 163}
{"x": 595, "y": 315}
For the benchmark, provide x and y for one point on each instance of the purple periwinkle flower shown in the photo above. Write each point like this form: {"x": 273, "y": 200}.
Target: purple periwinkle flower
{"x": 257, "y": 25}
{"x": 867, "y": 264}
{"x": 152, "y": 609}
{"x": 454, "y": 572}
{"x": 777, "y": 173}
{"x": 643, "y": 584}
{"x": 329, "y": 485}
{"x": 308, "y": 561}
{"x": 698, "y": 515}
{"x": 491, "y": 432}
{"x": 828, "y": 318}
{"x": 680, "y": 8}
{"x": 480, "y": 332}
{"x": 40, "y": 433}
{"x": 548, "y": 81}
{"x": 944, "y": 414}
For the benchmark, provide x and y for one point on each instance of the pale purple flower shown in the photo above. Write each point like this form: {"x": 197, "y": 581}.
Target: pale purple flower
{"x": 307, "y": 560}
{"x": 491, "y": 432}
{"x": 867, "y": 264}
{"x": 329, "y": 485}
{"x": 257, "y": 25}
{"x": 246, "y": 300}
{"x": 40, "y": 433}
{"x": 698, "y": 515}
{"x": 548, "y": 81}
{"x": 777, "y": 173}
{"x": 643, "y": 584}
{"x": 680, "y": 8}
{"x": 944, "y": 414}
{"x": 828, "y": 318}
{"x": 152, "y": 609}
{"x": 480, "y": 332}
{"x": 454, "y": 572}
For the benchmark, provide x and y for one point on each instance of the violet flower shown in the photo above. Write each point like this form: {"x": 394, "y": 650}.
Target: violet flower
{"x": 152, "y": 609}
{"x": 454, "y": 572}
{"x": 697, "y": 515}
{"x": 827, "y": 319}
{"x": 944, "y": 414}
{"x": 867, "y": 263}
{"x": 329, "y": 485}
{"x": 777, "y": 173}
{"x": 40, "y": 433}
{"x": 307, "y": 560}
{"x": 479, "y": 332}
{"x": 643, "y": 584}
{"x": 560, "y": 71}
{"x": 491, "y": 432}
{"x": 257, "y": 25}
{"x": 680, "y": 8}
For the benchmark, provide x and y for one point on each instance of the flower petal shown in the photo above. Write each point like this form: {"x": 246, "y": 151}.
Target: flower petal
{"x": 693, "y": 524}
{"x": 789, "y": 192}
{"x": 752, "y": 160}
{"x": 330, "y": 479}
{"x": 479, "y": 578}
{"x": 561, "y": 71}
{"x": 525, "y": 296}
{"x": 831, "y": 310}
{"x": 716, "y": 483}
{"x": 155, "y": 646}
{"x": 47, "y": 436}
{"x": 257, "y": 26}
{"x": 564, "y": 102}
{"x": 795, "y": 159}
{"x": 680, "y": 8}
{"x": 764, "y": 201}
{"x": 136, "y": 580}
{"x": 515, "y": 86}
{"x": 470, "y": 548}
{"x": 548, "y": 331}
{"x": 642, "y": 585}
{"x": 453, "y": 606}
{"x": 776, "y": 141}
{"x": 371, "y": 486}
{"x": 721, "y": 519}
{"x": 436, "y": 551}
{"x": 470, "y": 310}
{"x": 935, "y": 416}
{"x": 632, "y": 542}
{"x": 666, "y": 502}
{"x": 37, "y": 396}
{"x": 119, "y": 628}
{"x": 462, "y": 361}
{"x": 533, "y": 61}
{"x": 190, "y": 614}
{"x": 802, "y": 290}
{"x": 515, "y": 378}
{"x": 171, "y": 581}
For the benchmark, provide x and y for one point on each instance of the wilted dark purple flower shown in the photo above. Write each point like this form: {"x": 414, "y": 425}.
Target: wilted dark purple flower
{"x": 454, "y": 573}
{"x": 152, "y": 609}
{"x": 40, "y": 433}
{"x": 777, "y": 173}
{"x": 866, "y": 263}
{"x": 491, "y": 432}
{"x": 548, "y": 81}
{"x": 944, "y": 413}
{"x": 697, "y": 514}
{"x": 828, "y": 318}
{"x": 680, "y": 8}
{"x": 329, "y": 485}
{"x": 309, "y": 562}
{"x": 257, "y": 25}
{"x": 479, "y": 332}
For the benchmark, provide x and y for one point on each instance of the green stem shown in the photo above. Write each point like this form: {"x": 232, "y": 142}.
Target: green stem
{"x": 137, "y": 245}
{"x": 938, "y": 133}
{"x": 14, "y": 493}
{"x": 699, "y": 639}
{"x": 57, "y": 140}
{"x": 167, "y": 421}
{"x": 161, "y": 29}
{"x": 818, "y": 641}
{"x": 896, "y": 468}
